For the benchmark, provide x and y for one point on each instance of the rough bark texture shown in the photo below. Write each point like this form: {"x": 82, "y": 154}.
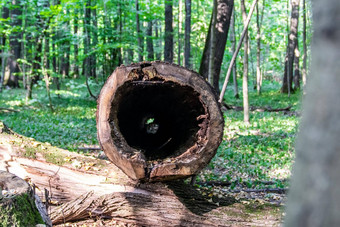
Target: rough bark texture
{"x": 19, "y": 206}
{"x": 287, "y": 83}
{"x": 158, "y": 121}
{"x": 168, "y": 36}
{"x": 314, "y": 196}
{"x": 224, "y": 10}
{"x": 95, "y": 190}
{"x": 187, "y": 33}
{"x": 149, "y": 42}
{"x": 139, "y": 35}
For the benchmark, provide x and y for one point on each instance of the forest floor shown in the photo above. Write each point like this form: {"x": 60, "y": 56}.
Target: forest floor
{"x": 252, "y": 165}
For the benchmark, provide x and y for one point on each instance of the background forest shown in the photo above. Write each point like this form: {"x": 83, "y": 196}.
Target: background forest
{"x": 56, "y": 55}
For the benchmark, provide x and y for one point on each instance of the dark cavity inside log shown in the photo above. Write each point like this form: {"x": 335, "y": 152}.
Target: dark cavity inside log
{"x": 158, "y": 121}
{"x": 157, "y": 117}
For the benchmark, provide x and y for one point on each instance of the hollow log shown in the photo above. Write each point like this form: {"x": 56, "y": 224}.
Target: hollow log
{"x": 158, "y": 121}
{"x": 19, "y": 206}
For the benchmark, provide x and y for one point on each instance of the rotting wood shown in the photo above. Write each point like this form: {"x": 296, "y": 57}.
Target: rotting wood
{"x": 158, "y": 121}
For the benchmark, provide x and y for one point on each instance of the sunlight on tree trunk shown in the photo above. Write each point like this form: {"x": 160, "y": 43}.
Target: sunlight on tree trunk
{"x": 314, "y": 196}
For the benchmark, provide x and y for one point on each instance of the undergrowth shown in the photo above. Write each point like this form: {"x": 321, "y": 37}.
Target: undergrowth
{"x": 261, "y": 151}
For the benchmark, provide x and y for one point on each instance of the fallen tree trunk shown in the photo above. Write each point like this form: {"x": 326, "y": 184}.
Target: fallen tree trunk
{"x": 106, "y": 194}
{"x": 157, "y": 121}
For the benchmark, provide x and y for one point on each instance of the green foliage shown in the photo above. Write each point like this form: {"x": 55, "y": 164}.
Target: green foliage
{"x": 261, "y": 151}
{"x": 72, "y": 124}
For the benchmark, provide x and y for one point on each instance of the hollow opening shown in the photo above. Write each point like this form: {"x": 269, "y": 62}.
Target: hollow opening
{"x": 159, "y": 118}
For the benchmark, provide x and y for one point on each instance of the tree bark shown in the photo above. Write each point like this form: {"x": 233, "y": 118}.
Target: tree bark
{"x": 224, "y": 10}
{"x": 304, "y": 66}
{"x": 149, "y": 42}
{"x": 233, "y": 46}
{"x": 168, "y": 33}
{"x": 139, "y": 35}
{"x": 20, "y": 206}
{"x": 15, "y": 46}
{"x": 76, "y": 45}
{"x": 297, "y": 75}
{"x": 287, "y": 83}
{"x": 245, "y": 67}
{"x": 179, "y": 32}
{"x": 187, "y": 47}
{"x": 258, "y": 49}
{"x": 173, "y": 137}
{"x": 314, "y": 198}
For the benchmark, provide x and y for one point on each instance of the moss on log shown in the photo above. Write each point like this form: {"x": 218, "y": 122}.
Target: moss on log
{"x": 17, "y": 202}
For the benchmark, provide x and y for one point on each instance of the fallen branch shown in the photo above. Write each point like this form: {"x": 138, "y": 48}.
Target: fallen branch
{"x": 8, "y": 109}
{"x": 258, "y": 109}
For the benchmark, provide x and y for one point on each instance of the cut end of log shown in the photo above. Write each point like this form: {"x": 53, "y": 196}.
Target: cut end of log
{"x": 158, "y": 121}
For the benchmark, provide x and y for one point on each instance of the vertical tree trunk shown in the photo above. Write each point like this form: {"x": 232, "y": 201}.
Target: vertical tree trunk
{"x": 258, "y": 50}
{"x": 187, "y": 50}
{"x": 45, "y": 67}
{"x": 212, "y": 44}
{"x": 224, "y": 10}
{"x": 159, "y": 41}
{"x": 94, "y": 41}
{"x": 233, "y": 47}
{"x": 179, "y": 32}
{"x": 4, "y": 57}
{"x": 168, "y": 36}
{"x": 314, "y": 198}
{"x": 149, "y": 42}
{"x": 245, "y": 67}
{"x": 87, "y": 38}
{"x": 139, "y": 35}
{"x": 292, "y": 39}
{"x": 297, "y": 66}
{"x": 76, "y": 45}
{"x": 304, "y": 66}
{"x": 15, "y": 47}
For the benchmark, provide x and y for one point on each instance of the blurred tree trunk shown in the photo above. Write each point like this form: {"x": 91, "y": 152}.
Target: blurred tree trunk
{"x": 76, "y": 44}
{"x": 4, "y": 54}
{"x": 139, "y": 35}
{"x": 168, "y": 33}
{"x": 187, "y": 48}
{"x": 314, "y": 197}
{"x": 287, "y": 83}
{"x": 304, "y": 66}
{"x": 212, "y": 46}
{"x": 245, "y": 67}
{"x": 15, "y": 46}
{"x": 159, "y": 41}
{"x": 233, "y": 47}
{"x": 179, "y": 32}
{"x": 258, "y": 49}
{"x": 94, "y": 32}
{"x": 149, "y": 42}
{"x": 296, "y": 66}
{"x": 224, "y": 10}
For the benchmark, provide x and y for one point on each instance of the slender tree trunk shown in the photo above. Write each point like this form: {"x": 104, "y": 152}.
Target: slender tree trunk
{"x": 168, "y": 36}
{"x": 158, "y": 41}
{"x": 292, "y": 39}
{"x": 187, "y": 48}
{"x": 258, "y": 51}
{"x": 233, "y": 47}
{"x": 139, "y": 35}
{"x": 94, "y": 43}
{"x": 4, "y": 57}
{"x": 314, "y": 198}
{"x": 15, "y": 47}
{"x": 76, "y": 45}
{"x": 212, "y": 44}
{"x": 149, "y": 42}
{"x": 304, "y": 66}
{"x": 296, "y": 66}
{"x": 179, "y": 32}
{"x": 245, "y": 67}
{"x": 224, "y": 10}
{"x": 45, "y": 68}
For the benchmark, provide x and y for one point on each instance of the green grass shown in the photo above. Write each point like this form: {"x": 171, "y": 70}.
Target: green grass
{"x": 71, "y": 125}
{"x": 261, "y": 151}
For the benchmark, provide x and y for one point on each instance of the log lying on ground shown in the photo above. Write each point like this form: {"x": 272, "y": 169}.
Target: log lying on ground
{"x": 158, "y": 121}
{"x": 19, "y": 206}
